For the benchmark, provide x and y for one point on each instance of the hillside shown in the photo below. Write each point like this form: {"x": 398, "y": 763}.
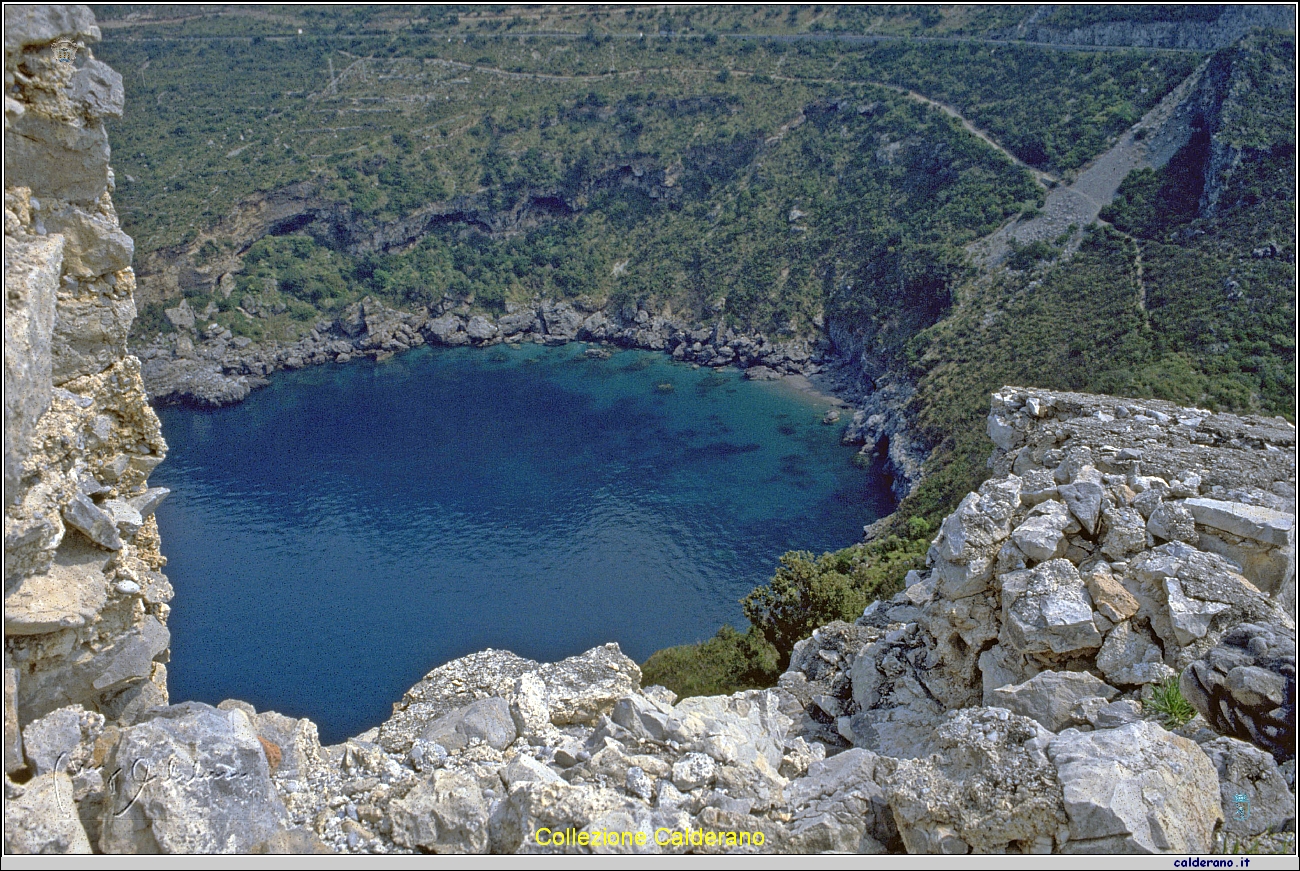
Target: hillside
{"x": 784, "y": 189}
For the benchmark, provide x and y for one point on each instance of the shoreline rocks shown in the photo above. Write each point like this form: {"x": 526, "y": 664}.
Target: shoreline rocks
{"x": 967, "y": 714}
{"x": 207, "y": 366}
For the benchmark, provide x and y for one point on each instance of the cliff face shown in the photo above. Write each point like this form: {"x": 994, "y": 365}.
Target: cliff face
{"x": 1232, "y": 23}
{"x": 85, "y": 601}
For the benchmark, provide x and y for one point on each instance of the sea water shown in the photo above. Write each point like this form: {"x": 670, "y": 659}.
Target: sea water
{"x": 350, "y": 527}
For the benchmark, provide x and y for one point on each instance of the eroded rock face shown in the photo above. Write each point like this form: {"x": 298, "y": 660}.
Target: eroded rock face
{"x": 990, "y": 784}
{"x": 190, "y": 779}
{"x": 1245, "y": 686}
{"x": 1136, "y": 789}
{"x": 85, "y": 603}
{"x": 79, "y": 435}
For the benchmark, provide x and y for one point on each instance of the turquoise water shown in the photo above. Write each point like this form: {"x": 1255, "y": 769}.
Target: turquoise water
{"x": 348, "y": 528}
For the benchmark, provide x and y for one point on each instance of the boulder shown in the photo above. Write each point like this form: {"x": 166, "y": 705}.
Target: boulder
{"x": 181, "y": 315}
{"x": 82, "y": 514}
{"x": 579, "y": 689}
{"x": 148, "y": 501}
{"x": 530, "y": 708}
{"x": 981, "y": 521}
{"x": 445, "y": 330}
{"x": 561, "y": 320}
{"x": 1041, "y": 536}
{"x": 530, "y": 807}
{"x": 518, "y": 322}
{"x": 125, "y": 517}
{"x": 189, "y": 779}
{"x": 526, "y": 769}
{"x": 13, "y": 732}
{"x": 480, "y": 329}
{"x": 1203, "y": 595}
{"x": 94, "y": 244}
{"x": 990, "y": 786}
{"x": 746, "y": 729}
{"x": 27, "y": 26}
{"x": 838, "y": 805}
{"x": 192, "y": 382}
{"x": 1048, "y": 609}
{"x": 1260, "y": 540}
{"x": 32, "y": 269}
{"x": 487, "y": 721}
{"x": 296, "y": 741}
{"x": 1136, "y": 789}
{"x": 1109, "y": 597}
{"x": 1084, "y": 499}
{"x": 41, "y": 818}
{"x": 56, "y": 160}
{"x": 692, "y": 771}
{"x": 1172, "y": 522}
{"x": 1254, "y": 793}
{"x": 644, "y": 718}
{"x": 1051, "y": 697}
{"x": 639, "y": 784}
{"x": 583, "y": 687}
{"x": 445, "y": 814}
{"x": 1126, "y": 532}
{"x": 1245, "y": 686}
{"x": 67, "y": 596}
{"x": 1129, "y": 657}
{"x": 60, "y": 740}
{"x": 97, "y": 89}
{"x": 1255, "y": 522}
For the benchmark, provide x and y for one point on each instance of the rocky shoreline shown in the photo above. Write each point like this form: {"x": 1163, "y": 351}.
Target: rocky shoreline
{"x": 204, "y": 365}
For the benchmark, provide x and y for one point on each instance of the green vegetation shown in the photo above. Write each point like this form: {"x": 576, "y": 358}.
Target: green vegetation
{"x": 1180, "y": 303}
{"x": 1082, "y": 16}
{"x": 762, "y": 165}
{"x": 728, "y": 662}
{"x": 1168, "y": 703}
{"x": 806, "y": 592}
{"x": 1081, "y": 100}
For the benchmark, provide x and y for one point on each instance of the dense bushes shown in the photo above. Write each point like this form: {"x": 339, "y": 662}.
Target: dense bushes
{"x": 806, "y": 592}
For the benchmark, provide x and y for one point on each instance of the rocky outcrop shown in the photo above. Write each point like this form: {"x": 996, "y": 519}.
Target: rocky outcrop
{"x": 1204, "y": 33}
{"x": 205, "y": 365}
{"x": 174, "y": 272}
{"x": 93, "y": 758}
{"x": 85, "y": 602}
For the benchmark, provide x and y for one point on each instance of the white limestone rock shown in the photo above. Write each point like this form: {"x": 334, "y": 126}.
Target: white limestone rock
{"x": 1136, "y": 789}
{"x": 1048, "y": 609}
{"x": 1051, "y": 697}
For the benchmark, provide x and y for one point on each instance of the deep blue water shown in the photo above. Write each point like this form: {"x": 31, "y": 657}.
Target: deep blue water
{"x": 348, "y": 528}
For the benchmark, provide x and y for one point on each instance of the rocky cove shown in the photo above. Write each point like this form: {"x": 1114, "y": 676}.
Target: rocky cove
{"x": 584, "y": 492}
{"x": 1009, "y": 700}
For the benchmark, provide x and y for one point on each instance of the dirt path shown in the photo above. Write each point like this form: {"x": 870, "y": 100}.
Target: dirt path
{"x": 1044, "y": 178}
{"x": 1149, "y": 143}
